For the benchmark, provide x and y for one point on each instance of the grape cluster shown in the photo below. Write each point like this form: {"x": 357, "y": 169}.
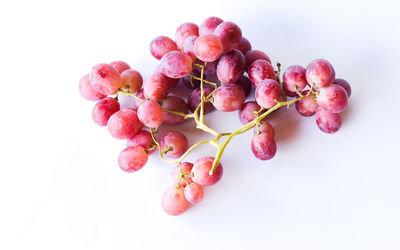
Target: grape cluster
{"x": 214, "y": 50}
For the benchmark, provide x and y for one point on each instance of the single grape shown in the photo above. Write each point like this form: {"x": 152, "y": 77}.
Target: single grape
{"x": 150, "y": 114}
{"x": 105, "y": 79}
{"x": 103, "y": 110}
{"x": 208, "y": 48}
{"x": 344, "y": 84}
{"x": 263, "y": 146}
{"x": 267, "y": 93}
{"x": 132, "y": 158}
{"x": 327, "y": 122}
{"x": 254, "y": 55}
{"x": 194, "y": 193}
{"x": 265, "y": 128}
{"x": 230, "y": 66}
{"x": 244, "y": 45}
{"x": 161, "y": 45}
{"x": 124, "y": 124}
{"x": 201, "y": 171}
{"x": 141, "y": 96}
{"x": 320, "y": 73}
{"x": 188, "y": 46}
{"x": 209, "y": 25}
{"x": 120, "y": 66}
{"x": 195, "y": 99}
{"x": 229, "y": 97}
{"x": 156, "y": 87}
{"x": 247, "y": 112}
{"x": 176, "y": 64}
{"x": 184, "y": 31}
{"x": 294, "y": 77}
{"x": 132, "y": 80}
{"x": 192, "y": 84}
{"x": 260, "y": 70}
{"x": 142, "y": 138}
{"x": 210, "y": 69}
{"x": 177, "y": 104}
{"x": 306, "y": 106}
{"x": 332, "y": 98}
{"x": 230, "y": 35}
{"x": 245, "y": 83}
{"x": 186, "y": 168}
{"x": 174, "y": 144}
{"x": 87, "y": 91}
{"x": 173, "y": 201}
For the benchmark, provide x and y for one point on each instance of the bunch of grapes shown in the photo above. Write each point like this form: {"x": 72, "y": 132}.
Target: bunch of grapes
{"x": 214, "y": 50}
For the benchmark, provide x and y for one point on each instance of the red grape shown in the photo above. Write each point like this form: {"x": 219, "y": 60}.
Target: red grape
{"x": 254, "y": 55}
{"x": 105, "y": 79}
{"x": 320, "y": 73}
{"x": 188, "y": 46}
{"x": 132, "y": 158}
{"x": 194, "y": 193}
{"x": 186, "y": 168}
{"x": 201, "y": 171}
{"x": 208, "y": 48}
{"x": 174, "y": 202}
{"x": 194, "y": 83}
{"x": 161, "y": 45}
{"x": 263, "y": 146}
{"x": 142, "y": 138}
{"x": 87, "y": 91}
{"x": 176, "y": 64}
{"x": 209, "y": 25}
{"x": 175, "y": 143}
{"x": 124, "y": 124}
{"x": 210, "y": 68}
{"x": 103, "y": 110}
{"x": 244, "y": 45}
{"x": 230, "y": 66}
{"x": 294, "y": 77}
{"x": 141, "y": 96}
{"x": 328, "y": 122}
{"x": 195, "y": 99}
{"x": 131, "y": 80}
{"x": 267, "y": 92}
{"x": 246, "y": 113}
{"x": 306, "y": 106}
{"x": 332, "y": 98}
{"x": 230, "y": 35}
{"x": 177, "y": 104}
{"x": 344, "y": 84}
{"x": 150, "y": 114}
{"x": 156, "y": 87}
{"x": 265, "y": 128}
{"x": 229, "y": 97}
{"x": 260, "y": 70}
{"x": 184, "y": 31}
{"x": 245, "y": 83}
{"x": 120, "y": 66}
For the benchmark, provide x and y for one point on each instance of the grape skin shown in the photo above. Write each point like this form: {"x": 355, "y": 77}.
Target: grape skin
{"x": 194, "y": 193}
{"x": 141, "y": 96}
{"x": 263, "y": 146}
{"x": 142, "y": 138}
{"x": 332, "y": 98}
{"x": 105, "y": 79}
{"x": 173, "y": 201}
{"x": 132, "y": 80}
{"x": 195, "y": 99}
{"x": 156, "y": 87}
{"x": 150, "y": 114}
{"x": 246, "y": 113}
{"x": 246, "y": 84}
{"x": 103, "y": 110}
{"x": 260, "y": 70}
{"x": 254, "y": 55}
{"x": 120, "y": 66}
{"x": 184, "y": 31}
{"x": 294, "y": 76}
{"x": 209, "y": 25}
{"x": 195, "y": 83}
{"x": 201, "y": 169}
{"x": 208, "y": 48}
{"x": 87, "y": 91}
{"x": 188, "y": 46}
{"x": 267, "y": 92}
{"x": 124, "y": 124}
{"x": 320, "y": 73}
{"x": 174, "y": 103}
{"x": 161, "y": 45}
{"x": 175, "y": 141}
{"x": 186, "y": 168}
{"x": 229, "y": 97}
{"x": 176, "y": 64}
{"x": 328, "y": 122}
{"x": 230, "y": 66}
{"x": 132, "y": 158}
{"x": 244, "y": 45}
{"x": 344, "y": 84}
{"x": 306, "y": 106}
{"x": 265, "y": 128}
{"x": 230, "y": 35}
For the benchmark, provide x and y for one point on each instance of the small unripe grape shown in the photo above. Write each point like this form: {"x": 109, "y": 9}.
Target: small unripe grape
{"x": 201, "y": 171}
{"x": 132, "y": 158}
{"x": 103, "y": 110}
{"x": 173, "y": 201}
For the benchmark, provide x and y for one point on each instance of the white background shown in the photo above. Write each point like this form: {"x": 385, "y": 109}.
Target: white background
{"x": 60, "y": 185}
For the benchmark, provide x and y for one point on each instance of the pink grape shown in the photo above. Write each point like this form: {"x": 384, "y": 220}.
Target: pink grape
{"x": 124, "y": 124}
{"x": 194, "y": 83}
{"x": 230, "y": 66}
{"x": 208, "y": 48}
{"x": 194, "y": 193}
{"x": 177, "y": 104}
{"x": 245, "y": 83}
{"x": 175, "y": 142}
{"x": 173, "y": 201}
{"x": 120, "y": 66}
{"x": 244, "y": 45}
{"x": 176, "y": 64}
{"x": 246, "y": 113}
{"x": 210, "y": 68}
{"x": 132, "y": 80}
{"x": 328, "y": 122}
{"x": 103, "y": 110}
{"x": 209, "y": 25}
{"x": 254, "y": 55}
{"x": 306, "y": 106}
{"x": 188, "y": 46}
{"x": 260, "y": 70}
{"x": 267, "y": 92}
{"x": 184, "y": 31}
{"x": 263, "y": 146}
{"x": 105, "y": 79}
{"x": 294, "y": 77}
{"x": 142, "y": 138}
{"x": 186, "y": 168}
{"x": 161, "y": 45}
{"x": 150, "y": 114}
{"x": 229, "y": 97}
{"x": 87, "y": 91}
{"x": 344, "y": 84}
{"x": 141, "y": 96}
{"x": 201, "y": 171}
{"x": 332, "y": 98}
{"x": 195, "y": 99}
{"x": 132, "y": 158}
{"x": 320, "y": 72}
{"x": 230, "y": 35}
{"x": 156, "y": 87}
{"x": 265, "y": 128}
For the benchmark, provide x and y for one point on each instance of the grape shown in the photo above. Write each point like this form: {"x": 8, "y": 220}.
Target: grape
{"x": 208, "y": 48}
{"x": 230, "y": 66}
{"x": 103, "y": 110}
{"x": 229, "y": 97}
{"x": 201, "y": 171}
{"x": 188, "y": 46}
{"x": 124, "y": 124}
{"x": 244, "y": 45}
{"x": 173, "y": 201}
{"x": 176, "y": 64}
{"x": 194, "y": 83}
{"x": 320, "y": 72}
{"x": 246, "y": 113}
{"x": 344, "y": 84}
{"x": 260, "y": 70}
{"x": 263, "y": 146}
{"x": 132, "y": 158}
{"x": 332, "y": 98}
{"x": 209, "y": 25}
{"x": 184, "y": 31}
{"x": 161, "y": 45}
{"x": 142, "y": 138}
{"x": 327, "y": 122}
{"x": 194, "y": 193}
{"x": 265, "y": 128}
{"x": 87, "y": 91}
{"x": 186, "y": 168}
{"x": 120, "y": 66}
{"x": 230, "y": 35}
{"x": 306, "y": 106}
{"x": 267, "y": 92}
{"x": 150, "y": 114}
{"x": 254, "y": 55}
{"x": 141, "y": 96}
{"x": 131, "y": 80}
{"x": 177, "y": 104}
{"x": 294, "y": 76}
{"x": 195, "y": 99}
{"x": 156, "y": 87}
{"x": 245, "y": 83}
{"x": 210, "y": 68}
{"x": 175, "y": 142}
{"x": 105, "y": 79}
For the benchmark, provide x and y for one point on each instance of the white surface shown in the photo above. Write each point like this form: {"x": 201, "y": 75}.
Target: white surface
{"x": 61, "y": 188}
